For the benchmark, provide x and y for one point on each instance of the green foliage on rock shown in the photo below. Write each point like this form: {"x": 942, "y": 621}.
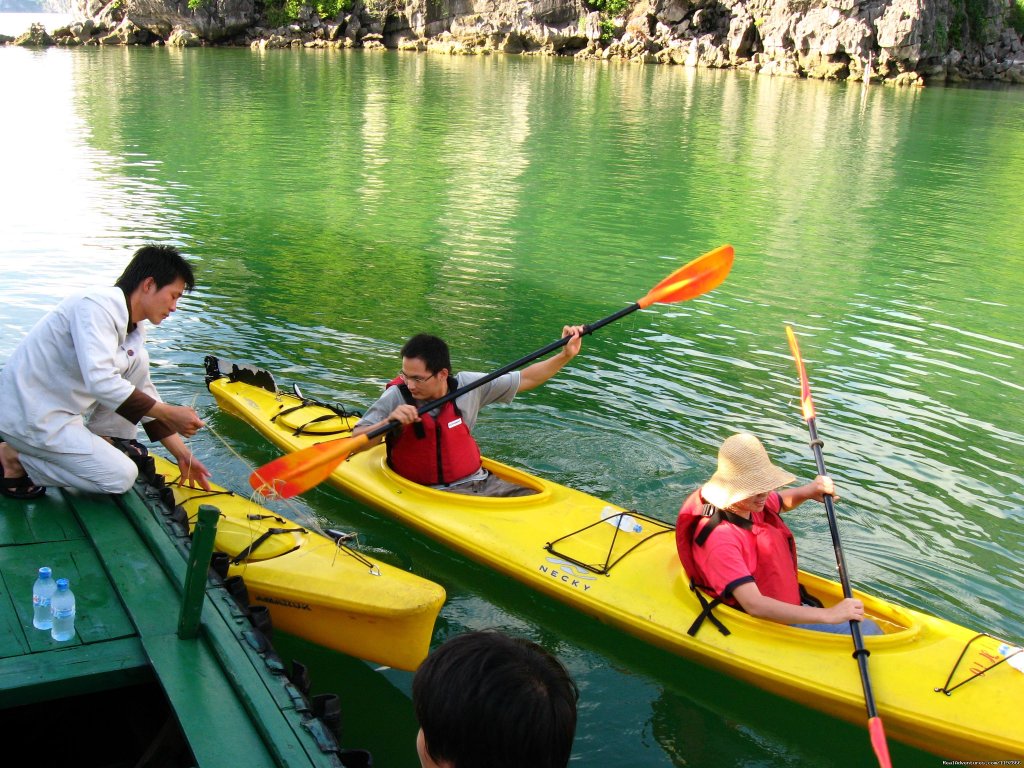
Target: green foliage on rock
{"x": 981, "y": 25}
{"x": 381, "y": 9}
{"x": 277, "y": 13}
{"x": 941, "y": 36}
{"x": 611, "y": 7}
{"x": 1016, "y": 17}
{"x": 329, "y": 9}
{"x": 969, "y": 22}
{"x": 956, "y": 25}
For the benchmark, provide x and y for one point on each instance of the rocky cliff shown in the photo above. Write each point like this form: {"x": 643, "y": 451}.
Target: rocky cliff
{"x": 907, "y": 42}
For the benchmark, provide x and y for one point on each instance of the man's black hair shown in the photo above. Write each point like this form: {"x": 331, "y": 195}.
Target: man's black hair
{"x": 487, "y": 700}
{"x": 161, "y": 262}
{"x": 431, "y": 350}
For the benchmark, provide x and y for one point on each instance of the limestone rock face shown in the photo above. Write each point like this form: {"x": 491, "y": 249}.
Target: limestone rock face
{"x": 36, "y": 36}
{"x": 213, "y": 20}
{"x": 900, "y": 42}
{"x": 182, "y": 38}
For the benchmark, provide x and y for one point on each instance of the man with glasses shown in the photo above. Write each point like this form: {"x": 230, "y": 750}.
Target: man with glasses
{"x": 437, "y": 448}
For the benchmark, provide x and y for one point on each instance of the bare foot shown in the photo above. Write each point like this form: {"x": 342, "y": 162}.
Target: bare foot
{"x": 16, "y": 484}
{"x": 10, "y": 461}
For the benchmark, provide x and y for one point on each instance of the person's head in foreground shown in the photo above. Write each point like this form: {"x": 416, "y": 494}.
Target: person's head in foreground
{"x": 487, "y": 700}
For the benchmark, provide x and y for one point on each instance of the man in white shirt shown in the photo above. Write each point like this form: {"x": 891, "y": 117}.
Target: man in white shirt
{"x": 81, "y": 377}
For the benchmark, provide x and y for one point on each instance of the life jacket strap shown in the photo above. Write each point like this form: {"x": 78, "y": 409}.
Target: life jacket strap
{"x": 715, "y": 517}
{"x": 707, "y": 606}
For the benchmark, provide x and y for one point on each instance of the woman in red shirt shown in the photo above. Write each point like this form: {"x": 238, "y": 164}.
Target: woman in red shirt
{"x": 733, "y": 541}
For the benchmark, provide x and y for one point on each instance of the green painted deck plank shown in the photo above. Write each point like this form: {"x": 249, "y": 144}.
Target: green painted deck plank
{"x": 46, "y": 532}
{"x": 273, "y": 705}
{"x": 44, "y": 519}
{"x": 33, "y": 666}
{"x": 70, "y": 670}
{"x": 204, "y": 700}
{"x": 100, "y": 614}
{"x": 224, "y": 609}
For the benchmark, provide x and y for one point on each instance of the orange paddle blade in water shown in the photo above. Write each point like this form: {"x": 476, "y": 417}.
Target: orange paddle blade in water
{"x": 297, "y": 472}
{"x": 879, "y": 743}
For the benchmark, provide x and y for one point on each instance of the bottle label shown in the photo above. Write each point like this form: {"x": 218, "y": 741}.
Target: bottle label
{"x": 63, "y": 613}
{"x": 40, "y": 601}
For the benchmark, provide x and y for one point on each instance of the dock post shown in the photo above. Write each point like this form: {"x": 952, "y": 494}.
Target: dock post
{"x": 196, "y": 571}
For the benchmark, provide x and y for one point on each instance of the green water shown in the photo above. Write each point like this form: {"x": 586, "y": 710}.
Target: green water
{"x": 337, "y": 202}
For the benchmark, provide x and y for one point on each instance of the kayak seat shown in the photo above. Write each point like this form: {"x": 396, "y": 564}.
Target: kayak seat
{"x": 246, "y": 374}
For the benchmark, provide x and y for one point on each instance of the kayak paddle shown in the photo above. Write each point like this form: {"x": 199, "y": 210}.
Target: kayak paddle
{"x": 295, "y": 473}
{"x": 875, "y": 729}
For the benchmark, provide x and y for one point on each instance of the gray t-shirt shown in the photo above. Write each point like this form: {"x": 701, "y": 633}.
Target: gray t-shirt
{"x": 500, "y": 390}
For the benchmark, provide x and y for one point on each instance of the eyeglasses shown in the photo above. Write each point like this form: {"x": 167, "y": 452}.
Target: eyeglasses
{"x": 415, "y": 379}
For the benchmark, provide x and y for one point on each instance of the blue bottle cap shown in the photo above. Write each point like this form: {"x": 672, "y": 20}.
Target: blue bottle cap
{"x": 45, "y": 572}
{"x": 62, "y": 584}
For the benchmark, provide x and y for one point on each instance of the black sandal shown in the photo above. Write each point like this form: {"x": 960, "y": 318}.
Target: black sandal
{"x": 20, "y": 487}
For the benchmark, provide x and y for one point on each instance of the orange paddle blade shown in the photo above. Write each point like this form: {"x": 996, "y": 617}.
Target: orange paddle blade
{"x": 878, "y": 742}
{"x": 296, "y": 473}
{"x": 698, "y": 277}
{"x": 806, "y": 403}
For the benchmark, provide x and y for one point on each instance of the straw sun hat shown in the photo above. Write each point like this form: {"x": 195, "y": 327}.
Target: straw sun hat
{"x": 744, "y": 470}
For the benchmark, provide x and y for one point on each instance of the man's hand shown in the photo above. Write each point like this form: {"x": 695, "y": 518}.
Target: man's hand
{"x": 573, "y": 346}
{"x": 405, "y": 414}
{"x": 193, "y": 472}
{"x": 182, "y": 419}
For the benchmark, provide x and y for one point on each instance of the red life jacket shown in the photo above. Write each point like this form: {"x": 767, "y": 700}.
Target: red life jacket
{"x": 775, "y": 572}
{"x": 436, "y": 451}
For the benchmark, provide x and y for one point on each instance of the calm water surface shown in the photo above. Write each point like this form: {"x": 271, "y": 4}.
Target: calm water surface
{"x": 338, "y": 202}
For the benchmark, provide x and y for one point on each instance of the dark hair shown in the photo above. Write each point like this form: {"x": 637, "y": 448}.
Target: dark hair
{"x": 487, "y": 700}
{"x": 161, "y": 262}
{"x": 431, "y": 350}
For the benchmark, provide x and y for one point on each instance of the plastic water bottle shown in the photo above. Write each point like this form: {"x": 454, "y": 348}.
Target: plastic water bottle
{"x": 42, "y": 591}
{"x": 621, "y": 520}
{"x": 63, "y": 608}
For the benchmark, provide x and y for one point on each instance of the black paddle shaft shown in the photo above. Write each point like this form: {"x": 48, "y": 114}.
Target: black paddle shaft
{"x": 860, "y": 652}
{"x": 388, "y": 426}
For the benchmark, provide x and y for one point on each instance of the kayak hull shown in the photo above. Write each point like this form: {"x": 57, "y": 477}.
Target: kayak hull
{"x": 316, "y": 588}
{"x": 555, "y": 542}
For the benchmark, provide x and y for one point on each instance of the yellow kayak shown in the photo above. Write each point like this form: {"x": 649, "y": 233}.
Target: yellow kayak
{"x": 314, "y": 587}
{"x": 938, "y": 686}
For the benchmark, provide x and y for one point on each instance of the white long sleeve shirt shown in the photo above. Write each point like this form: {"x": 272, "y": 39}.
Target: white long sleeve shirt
{"x": 72, "y": 360}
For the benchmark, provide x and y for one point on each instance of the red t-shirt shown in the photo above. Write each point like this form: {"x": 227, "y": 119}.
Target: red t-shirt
{"x": 764, "y": 554}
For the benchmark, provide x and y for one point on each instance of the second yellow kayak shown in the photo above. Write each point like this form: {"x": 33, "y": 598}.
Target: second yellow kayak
{"x": 314, "y": 587}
